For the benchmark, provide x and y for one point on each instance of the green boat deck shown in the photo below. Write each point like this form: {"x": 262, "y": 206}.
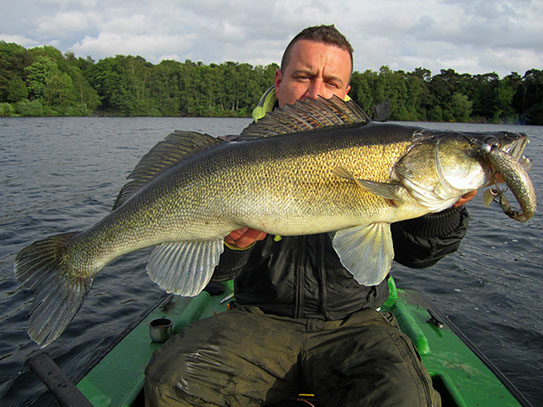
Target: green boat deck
{"x": 458, "y": 373}
{"x": 130, "y": 357}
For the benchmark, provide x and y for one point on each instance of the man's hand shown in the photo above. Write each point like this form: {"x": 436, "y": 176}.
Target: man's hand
{"x": 465, "y": 198}
{"x": 244, "y": 237}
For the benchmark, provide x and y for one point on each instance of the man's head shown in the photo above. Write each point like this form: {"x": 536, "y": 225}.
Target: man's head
{"x": 317, "y": 62}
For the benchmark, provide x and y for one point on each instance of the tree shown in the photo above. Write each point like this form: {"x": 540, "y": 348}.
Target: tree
{"x": 362, "y": 89}
{"x": 419, "y": 98}
{"x": 110, "y": 79}
{"x": 59, "y": 91}
{"x": 534, "y": 96}
{"x": 482, "y": 93}
{"x": 16, "y": 90}
{"x": 164, "y": 87}
{"x": 13, "y": 60}
{"x": 27, "y": 107}
{"x": 42, "y": 69}
{"x": 42, "y": 80}
{"x": 460, "y": 107}
{"x": 503, "y": 96}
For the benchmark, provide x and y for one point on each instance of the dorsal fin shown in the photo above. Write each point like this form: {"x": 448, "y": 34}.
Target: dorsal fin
{"x": 164, "y": 155}
{"x": 305, "y": 115}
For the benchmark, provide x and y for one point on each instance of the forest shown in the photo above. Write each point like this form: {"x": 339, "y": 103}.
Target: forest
{"x": 42, "y": 81}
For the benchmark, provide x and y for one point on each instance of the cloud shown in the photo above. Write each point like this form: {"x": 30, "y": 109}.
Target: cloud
{"x": 131, "y": 24}
{"x": 66, "y": 23}
{"x": 18, "y": 39}
{"x": 147, "y": 45}
{"x": 473, "y": 36}
{"x": 511, "y": 60}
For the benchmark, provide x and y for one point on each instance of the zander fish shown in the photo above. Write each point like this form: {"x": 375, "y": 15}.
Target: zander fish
{"x": 312, "y": 167}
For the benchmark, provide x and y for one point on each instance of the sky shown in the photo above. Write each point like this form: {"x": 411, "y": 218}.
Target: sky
{"x": 469, "y": 36}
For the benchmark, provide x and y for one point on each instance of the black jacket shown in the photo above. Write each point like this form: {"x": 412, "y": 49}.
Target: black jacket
{"x": 302, "y": 277}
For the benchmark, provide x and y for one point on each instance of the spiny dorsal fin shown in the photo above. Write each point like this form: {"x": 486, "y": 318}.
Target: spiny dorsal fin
{"x": 305, "y": 115}
{"x": 167, "y": 153}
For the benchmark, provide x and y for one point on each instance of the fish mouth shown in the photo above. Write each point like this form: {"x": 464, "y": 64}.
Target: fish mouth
{"x": 516, "y": 149}
{"x": 510, "y": 143}
{"x": 513, "y": 144}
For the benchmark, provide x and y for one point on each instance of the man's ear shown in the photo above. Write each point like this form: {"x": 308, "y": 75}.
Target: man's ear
{"x": 278, "y": 79}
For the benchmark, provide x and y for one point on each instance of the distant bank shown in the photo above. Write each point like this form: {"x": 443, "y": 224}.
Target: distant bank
{"x": 43, "y": 81}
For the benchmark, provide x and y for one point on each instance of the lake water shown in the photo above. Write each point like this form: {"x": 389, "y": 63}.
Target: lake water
{"x": 63, "y": 174}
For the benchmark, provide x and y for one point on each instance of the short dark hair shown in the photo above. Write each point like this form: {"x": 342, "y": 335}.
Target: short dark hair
{"x": 327, "y": 34}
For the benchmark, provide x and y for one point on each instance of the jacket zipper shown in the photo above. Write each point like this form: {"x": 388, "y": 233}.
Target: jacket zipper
{"x": 300, "y": 280}
{"x": 322, "y": 272}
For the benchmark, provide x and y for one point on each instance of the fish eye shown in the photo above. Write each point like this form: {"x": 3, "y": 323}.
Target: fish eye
{"x": 492, "y": 141}
{"x": 486, "y": 148}
{"x": 489, "y": 143}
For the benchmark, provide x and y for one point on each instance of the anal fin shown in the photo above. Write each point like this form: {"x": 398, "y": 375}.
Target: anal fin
{"x": 184, "y": 268}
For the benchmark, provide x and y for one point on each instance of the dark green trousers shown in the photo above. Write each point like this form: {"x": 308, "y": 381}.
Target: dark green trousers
{"x": 244, "y": 357}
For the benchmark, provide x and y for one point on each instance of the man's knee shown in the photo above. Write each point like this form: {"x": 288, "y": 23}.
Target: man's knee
{"x": 167, "y": 395}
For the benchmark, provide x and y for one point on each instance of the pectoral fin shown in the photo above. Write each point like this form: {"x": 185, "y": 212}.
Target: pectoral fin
{"x": 184, "y": 268}
{"x": 382, "y": 189}
{"x": 366, "y": 251}
{"x": 429, "y": 198}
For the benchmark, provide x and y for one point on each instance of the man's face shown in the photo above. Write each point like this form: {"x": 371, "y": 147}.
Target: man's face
{"x": 313, "y": 69}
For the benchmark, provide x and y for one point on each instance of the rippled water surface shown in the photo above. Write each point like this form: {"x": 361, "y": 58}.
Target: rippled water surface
{"x": 62, "y": 174}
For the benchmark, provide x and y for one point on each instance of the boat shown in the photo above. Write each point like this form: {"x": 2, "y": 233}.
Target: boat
{"x": 461, "y": 373}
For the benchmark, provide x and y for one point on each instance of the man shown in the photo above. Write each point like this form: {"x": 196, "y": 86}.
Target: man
{"x": 301, "y": 323}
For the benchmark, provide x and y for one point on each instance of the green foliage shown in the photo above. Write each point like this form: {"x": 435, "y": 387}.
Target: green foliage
{"x": 29, "y": 108}
{"x": 37, "y": 75}
{"x": 460, "y": 107}
{"x": 6, "y": 109}
{"x": 43, "y": 81}
{"x": 16, "y": 90}
{"x": 53, "y": 82}
{"x": 449, "y": 96}
{"x": 13, "y": 60}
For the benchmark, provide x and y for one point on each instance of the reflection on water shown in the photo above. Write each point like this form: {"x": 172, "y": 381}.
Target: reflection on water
{"x": 61, "y": 174}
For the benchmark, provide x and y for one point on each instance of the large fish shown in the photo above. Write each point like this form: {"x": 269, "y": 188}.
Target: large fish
{"x": 313, "y": 167}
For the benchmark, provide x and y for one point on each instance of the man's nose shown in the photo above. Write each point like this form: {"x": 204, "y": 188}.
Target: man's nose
{"x": 316, "y": 89}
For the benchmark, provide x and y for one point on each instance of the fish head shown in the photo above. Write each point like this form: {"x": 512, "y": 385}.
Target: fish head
{"x": 441, "y": 166}
{"x": 465, "y": 162}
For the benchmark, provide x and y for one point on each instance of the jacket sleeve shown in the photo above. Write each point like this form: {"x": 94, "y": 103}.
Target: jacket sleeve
{"x": 231, "y": 263}
{"x": 423, "y": 241}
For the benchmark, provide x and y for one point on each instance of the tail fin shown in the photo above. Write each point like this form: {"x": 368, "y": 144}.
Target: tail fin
{"x": 59, "y": 291}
